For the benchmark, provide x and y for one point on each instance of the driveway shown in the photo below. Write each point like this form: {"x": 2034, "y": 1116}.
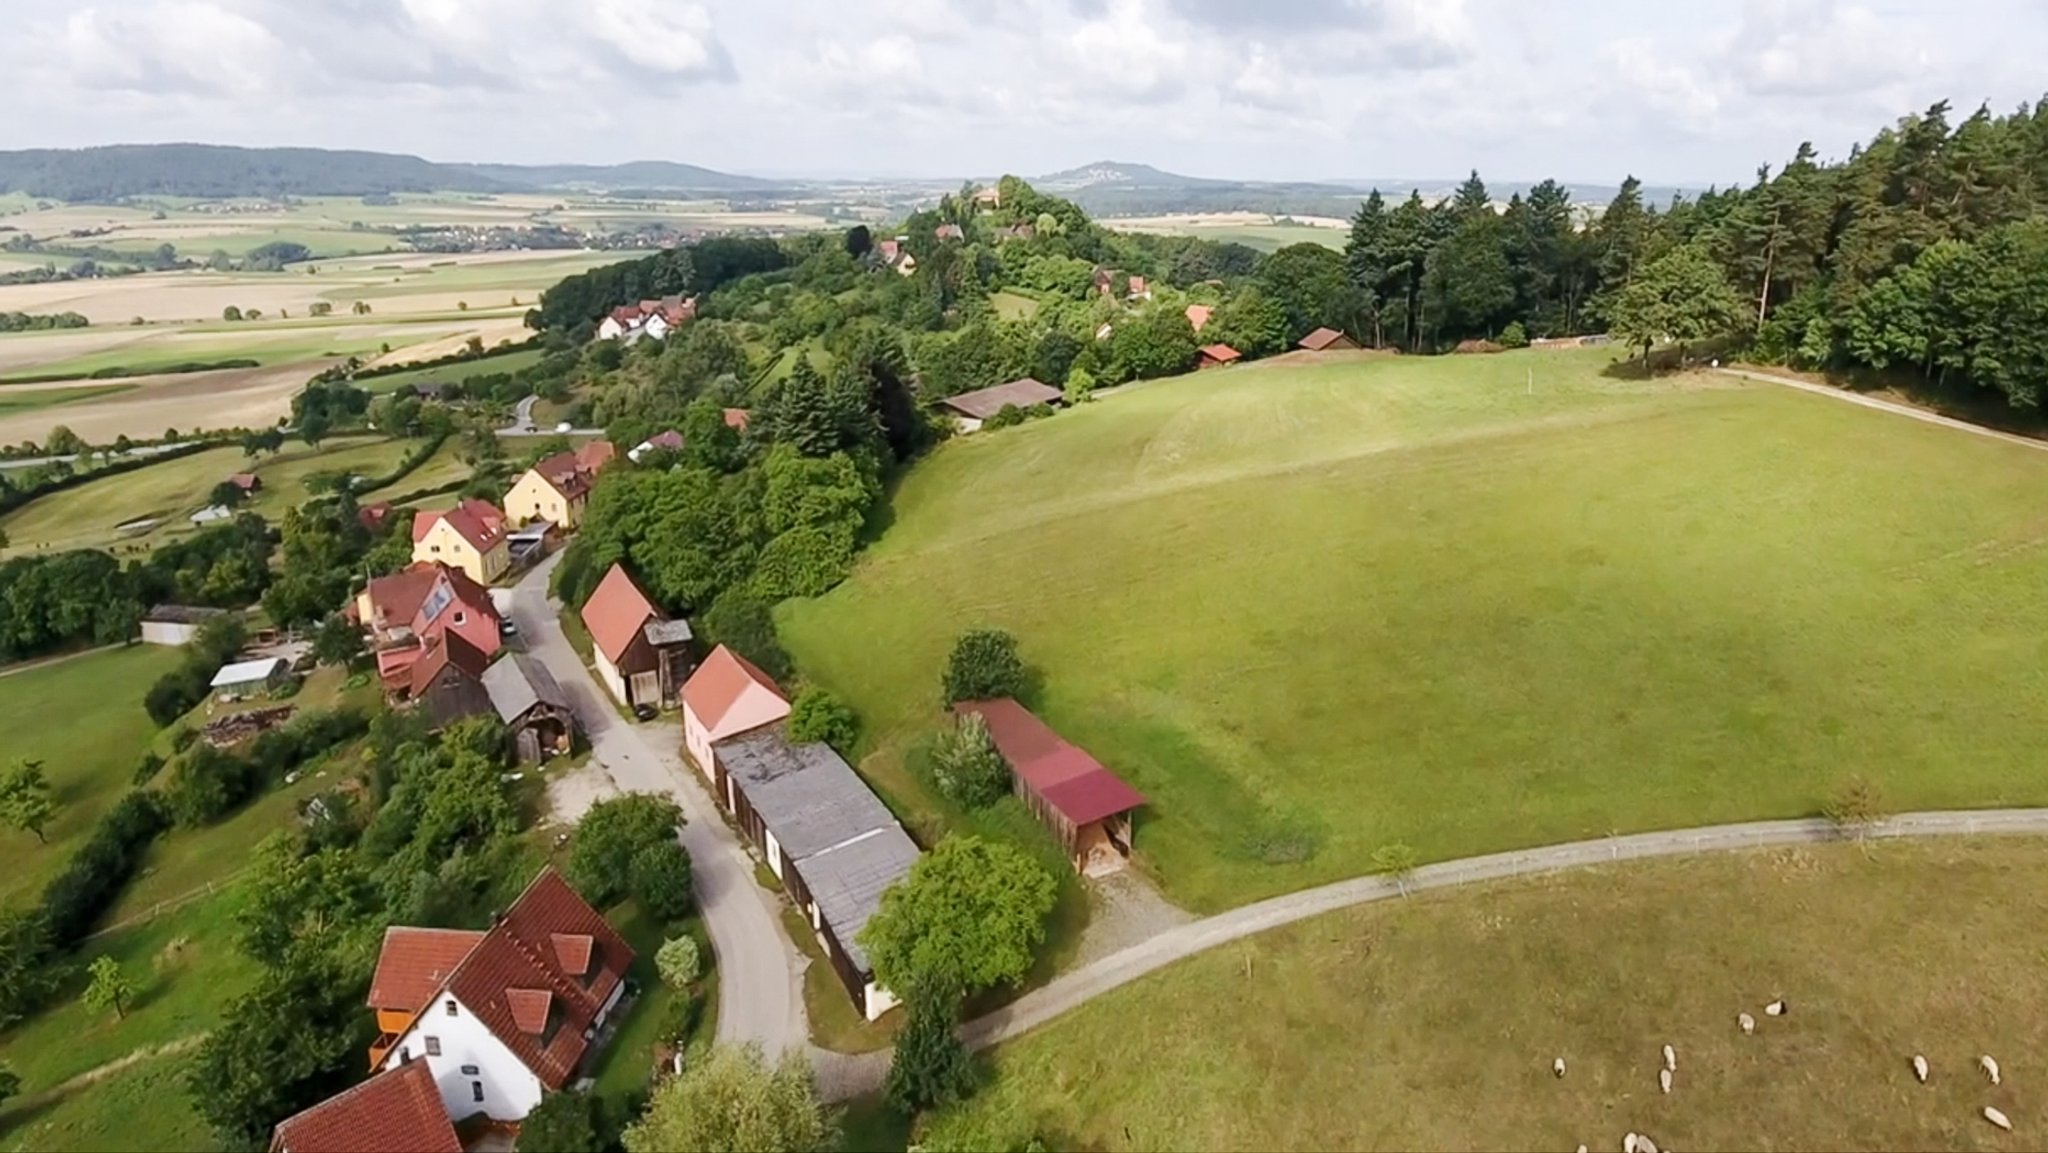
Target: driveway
{"x": 760, "y": 995}
{"x": 522, "y": 424}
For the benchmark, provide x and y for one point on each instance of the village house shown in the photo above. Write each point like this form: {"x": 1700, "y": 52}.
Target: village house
{"x": 653, "y": 319}
{"x": 175, "y": 624}
{"x": 949, "y": 232}
{"x": 374, "y": 517}
{"x": 403, "y": 613}
{"x": 1216, "y": 356}
{"x": 395, "y": 1112}
{"x": 557, "y": 488}
{"x": 1087, "y": 807}
{"x": 1326, "y": 340}
{"x": 532, "y": 706}
{"x": 501, "y": 1016}
{"x": 248, "y": 482}
{"x": 1198, "y": 315}
{"x": 642, "y": 656}
{"x": 1138, "y": 289}
{"x": 973, "y": 409}
{"x": 470, "y": 537}
{"x": 667, "y": 441}
{"x": 243, "y": 679}
{"x": 894, "y": 255}
{"x": 833, "y": 844}
{"x": 446, "y": 682}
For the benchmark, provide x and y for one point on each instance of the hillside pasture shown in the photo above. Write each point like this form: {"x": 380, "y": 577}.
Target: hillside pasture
{"x": 89, "y": 731}
{"x": 1258, "y": 230}
{"x": 1431, "y": 1022}
{"x": 1466, "y": 603}
{"x": 18, "y": 400}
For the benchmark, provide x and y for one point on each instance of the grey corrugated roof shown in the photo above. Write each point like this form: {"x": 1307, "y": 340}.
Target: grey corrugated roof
{"x": 181, "y": 614}
{"x": 986, "y": 402}
{"x": 807, "y": 795}
{"x": 660, "y": 633}
{"x": 847, "y": 881}
{"x": 519, "y": 682}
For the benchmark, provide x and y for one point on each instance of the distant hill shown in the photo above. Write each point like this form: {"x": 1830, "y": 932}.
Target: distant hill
{"x": 651, "y": 174}
{"x": 213, "y": 170}
{"x": 219, "y": 171}
{"x": 1123, "y": 175}
{"x": 1120, "y": 188}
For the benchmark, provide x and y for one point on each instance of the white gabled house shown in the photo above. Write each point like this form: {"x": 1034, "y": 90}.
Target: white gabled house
{"x": 505, "y": 1015}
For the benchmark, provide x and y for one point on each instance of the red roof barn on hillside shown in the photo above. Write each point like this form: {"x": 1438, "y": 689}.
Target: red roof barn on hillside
{"x": 1327, "y": 340}
{"x": 395, "y": 1112}
{"x": 1084, "y": 804}
{"x": 1217, "y": 355}
{"x": 1198, "y": 315}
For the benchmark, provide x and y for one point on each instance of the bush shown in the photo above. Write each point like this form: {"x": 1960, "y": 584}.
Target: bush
{"x": 743, "y": 623}
{"x": 966, "y": 766}
{"x": 566, "y": 1122}
{"x": 1856, "y": 804}
{"x": 819, "y": 716}
{"x": 984, "y": 666}
{"x": 146, "y": 770}
{"x": 75, "y": 899}
{"x": 1005, "y": 417}
{"x": 680, "y": 1019}
{"x": 661, "y": 879}
{"x": 679, "y": 962}
{"x": 608, "y": 842}
{"x": 931, "y": 1069}
{"x": 1514, "y": 335}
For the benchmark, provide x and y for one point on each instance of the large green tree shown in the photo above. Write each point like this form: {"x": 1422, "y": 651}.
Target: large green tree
{"x": 609, "y": 838}
{"x": 1681, "y": 298}
{"x": 969, "y": 916}
{"x": 732, "y": 1100}
{"x": 25, "y": 801}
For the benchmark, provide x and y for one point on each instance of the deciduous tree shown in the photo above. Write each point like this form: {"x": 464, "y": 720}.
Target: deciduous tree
{"x": 984, "y": 665}
{"x": 733, "y": 1100}
{"x": 970, "y": 915}
{"x": 25, "y": 801}
{"x": 110, "y": 988}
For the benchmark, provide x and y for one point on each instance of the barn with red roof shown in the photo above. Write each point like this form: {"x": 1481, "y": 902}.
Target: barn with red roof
{"x": 1084, "y": 804}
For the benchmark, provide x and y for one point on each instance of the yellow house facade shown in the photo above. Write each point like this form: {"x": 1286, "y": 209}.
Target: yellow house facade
{"x": 534, "y": 497}
{"x": 472, "y": 540}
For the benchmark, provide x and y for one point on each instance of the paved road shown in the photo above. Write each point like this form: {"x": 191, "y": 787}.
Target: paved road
{"x": 138, "y": 450}
{"x": 843, "y": 1076}
{"x": 760, "y": 995}
{"x": 522, "y": 423}
{"x": 1891, "y": 406}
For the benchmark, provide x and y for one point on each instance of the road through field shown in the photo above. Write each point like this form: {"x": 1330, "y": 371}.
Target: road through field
{"x": 843, "y": 1075}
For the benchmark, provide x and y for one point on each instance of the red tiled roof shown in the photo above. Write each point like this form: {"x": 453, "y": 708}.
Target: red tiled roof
{"x": 246, "y": 481}
{"x": 373, "y": 516}
{"x": 504, "y": 979}
{"x": 625, "y": 314}
{"x": 719, "y": 683}
{"x": 1321, "y": 339}
{"x": 448, "y": 649}
{"x": 669, "y": 439}
{"x": 1221, "y": 353}
{"x": 615, "y": 612}
{"x": 472, "y": 524}
{"x": 399, "y": 1111}
{"x": 1198, "y": 315}
{"x": 1137, "y": 286}
{"x": 983, "y": 403}
{"x": 593, "y": 455}
{"x": 415, "y": 963}
{"x": 1065, "y": 776}
{"x": 737, "y": 418}
{"x": 572, "y": 952}
{"x": 396, "y": 599}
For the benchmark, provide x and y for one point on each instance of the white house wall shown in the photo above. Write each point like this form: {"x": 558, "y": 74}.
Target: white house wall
{"x": 510, "y": 1088}
{"x": 609, "y": 674}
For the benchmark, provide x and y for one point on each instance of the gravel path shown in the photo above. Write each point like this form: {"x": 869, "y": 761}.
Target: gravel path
{"x": 1098, "y": 977}
{"x": 1890, "y": 406}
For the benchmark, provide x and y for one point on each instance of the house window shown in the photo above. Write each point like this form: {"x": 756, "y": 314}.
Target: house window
{"x": 433, "y": 1046}
{"x": 470, "y": 1070}
{"x": 476, "y": 1090}
{"x": 461, "y": 618}
{"x": 404, "y": 1055}
{"x": 434, "y": 547}
{"x": 451, "y": 1007}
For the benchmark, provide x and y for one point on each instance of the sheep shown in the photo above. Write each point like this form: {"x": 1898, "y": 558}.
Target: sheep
{"x": 1989, "y": 1066}
{"x": 1582, "y": 1149}
{"x": 1631, "y": 1144}
{"x": 1645, "y": 1145}
{"x": 1557, "y": 1066}
{"x": 1996, "y": 1118}
{"x": 1920, "y": 1068}
{"x": 1777, "y": 1008}
{"x": 1671, "y": 1058}
{"x": 1664, "y": 1079}
{"x": 1747, "y": 1022}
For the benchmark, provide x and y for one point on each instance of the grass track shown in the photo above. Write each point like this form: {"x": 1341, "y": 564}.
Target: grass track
{"x": 1312, "y": 608}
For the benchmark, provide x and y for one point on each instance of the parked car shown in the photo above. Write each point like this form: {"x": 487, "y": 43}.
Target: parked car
{"x": 508, "y": 627}
{"x": 644, "y": 711}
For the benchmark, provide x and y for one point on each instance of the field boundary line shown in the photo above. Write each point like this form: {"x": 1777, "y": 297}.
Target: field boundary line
{"x": 1891, "y": 406}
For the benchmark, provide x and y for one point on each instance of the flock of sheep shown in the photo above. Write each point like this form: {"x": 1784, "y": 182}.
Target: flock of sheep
{"x": 1641, "y": 1142}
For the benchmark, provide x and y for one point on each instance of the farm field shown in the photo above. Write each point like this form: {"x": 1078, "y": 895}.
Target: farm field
{"x": 1431, "y": 1023}
{"x": 225, "y": 398}
{"x": 170, "y": 491}
{"x": 1013, "y": 305}
{"x": 1469, "y": 604}
{"x": 454, "y": 373}
{"x": 1255, "y": 229}
{"x": 89, "y": 733}
{"x": 18, "y": 400}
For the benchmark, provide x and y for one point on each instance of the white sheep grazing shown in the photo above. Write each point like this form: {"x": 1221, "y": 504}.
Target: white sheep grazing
{"x": 1989, "y": 1066}
{"x": 1557, "y": 1066}
{"x": 1664, "y": 1079}
{"x": 1645, "y": 1145}
{"x": 1920, "y": 1068}
{"x": 1996, "y": 1118}
{"x": 1671, "y": 1058}
{"x": 1747, "y": 1022}
{"x": 1582, "y": 1149}
{"x": 1777, "y": 1008}
{"x": 1631, "y": 1144}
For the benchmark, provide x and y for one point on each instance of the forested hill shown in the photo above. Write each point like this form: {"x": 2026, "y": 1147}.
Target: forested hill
{"x": 212, "y": 170}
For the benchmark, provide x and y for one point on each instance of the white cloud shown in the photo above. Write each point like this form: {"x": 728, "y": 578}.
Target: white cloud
{"x": 178, "y": 46}
{"x": 1129, "y": 53}
{"x": 674, "y": 40}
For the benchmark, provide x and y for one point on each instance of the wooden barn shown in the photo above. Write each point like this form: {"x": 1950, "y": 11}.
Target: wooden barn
{"x": 1087, "y": 807}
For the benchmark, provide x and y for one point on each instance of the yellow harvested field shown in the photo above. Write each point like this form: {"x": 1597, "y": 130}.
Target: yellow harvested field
{"x": 251, "y": 397}
{"x": 494, "y": 332}
{"x": 161, "y": 296}
{"x": 20, "y": 351}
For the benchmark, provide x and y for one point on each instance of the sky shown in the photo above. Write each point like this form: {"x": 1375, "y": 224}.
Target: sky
{"x": 1583, "y": 90}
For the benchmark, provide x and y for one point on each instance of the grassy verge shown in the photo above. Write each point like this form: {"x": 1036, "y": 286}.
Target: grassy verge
{"x": 626, "y": 1067}
{"x": 835, "y": 1023}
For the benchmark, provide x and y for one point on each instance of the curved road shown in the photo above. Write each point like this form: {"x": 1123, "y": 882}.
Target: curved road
{"x": 846, "y": 1075}
{"x": 760, "y": 991}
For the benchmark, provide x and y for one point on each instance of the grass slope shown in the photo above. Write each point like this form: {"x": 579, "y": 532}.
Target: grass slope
{"x": 1431, "y": 1023}
{"x": 1467, "y": 603}
{"x": 89, "y": 730}
{"x": 14, "y": 400}
{"x": 508, "y": 363}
